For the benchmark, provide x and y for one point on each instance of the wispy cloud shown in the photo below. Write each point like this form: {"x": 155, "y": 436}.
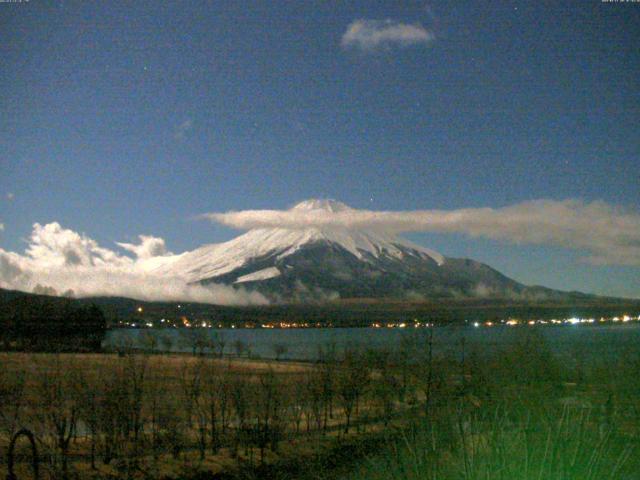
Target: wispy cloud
{"x": 1, "y": 227}
{"x": 10, "y": 196}
{"x": 608, "y": 234}
{"x": 59, "y": 260}
{"x": 182, "y": 129}
{"x": 369, "y": 35}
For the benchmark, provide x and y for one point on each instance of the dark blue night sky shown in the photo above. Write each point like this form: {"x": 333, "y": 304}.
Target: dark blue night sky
{"x": 122, "y": 118}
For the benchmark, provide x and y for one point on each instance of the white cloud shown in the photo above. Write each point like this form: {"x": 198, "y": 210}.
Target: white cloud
{"x": 183, "y": 128}
{"x": 368, "y": 35}
{"x": 1, "y": 227}
{"x": 149, "y": 247}
{"x": 608, "y": 234}
{"x": 53, "y": 247}
{"x": 61, "y": 259}
{"x": 10, "y": 196}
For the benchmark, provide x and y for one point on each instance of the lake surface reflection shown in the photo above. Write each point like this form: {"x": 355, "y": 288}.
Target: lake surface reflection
{"x": 604, "y": 341}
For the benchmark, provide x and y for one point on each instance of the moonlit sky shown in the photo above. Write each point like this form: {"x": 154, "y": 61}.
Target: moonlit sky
{"x": 127, "y": 118}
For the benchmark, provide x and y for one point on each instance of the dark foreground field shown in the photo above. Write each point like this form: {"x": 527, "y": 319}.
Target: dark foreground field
{"x": 515, "y": 413}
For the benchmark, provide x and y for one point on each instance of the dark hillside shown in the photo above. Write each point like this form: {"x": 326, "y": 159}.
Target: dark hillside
{"x": 44, "y": 323}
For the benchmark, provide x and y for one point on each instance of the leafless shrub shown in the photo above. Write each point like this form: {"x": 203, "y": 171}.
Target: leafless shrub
{"x": 240, "y": 393}
{"x": 219, "y": 342}
{"x": 352, "y": 380}
{"x": 12, "y": 399}
{"x": 171, "y": 433}
{"x": 269, "y": 411}
{"x": 298, "y": 399}
{"x": 59, "y": 391}
{"x": 195, "y": 339}
{"x": 279, "y": 349}
{"x": 89, "y": 411}
{"x": 196, "y": 407}
{"x": 240, "y": 347}
{"x": 315, "y": 399}
{"x": 166, "y": 341}
{"x": 149, "y": 341}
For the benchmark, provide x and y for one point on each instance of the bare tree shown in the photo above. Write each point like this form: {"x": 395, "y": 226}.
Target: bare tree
{"x": 123, "y": 345}
{"x": 428, "y": 380}
{"x": 226, "y": 383}
{"x": 269, "y": 413}
{"x": 136, "y": 371}
{"x": 191, "y": 375}
{"x": 154, "y": 398}
{"x": 279, "y": 349}
{"x": 240, "y": 401}
{"x": 89, "y": 399}
{"x": 171, "y": 426}
{"x": 213, "y": 393}
{"x": 240, "y": 347}
{"x": 195, "y": 339}
{"x": 298, "y": 394}
{"x": 118, "y": 416}
{"x": 353, "y": 377}
{"x": 384, "y": 389}
{"x": 219, "y": 342}
{"x": 166, "y": 341}
{"x": 111, "y": 415}
{"x": 59, "y": 391}
{"x": 315, "y": 403}
{"x": 149, "y": 340}
{"x": 12, "y": 399}
{"x": 327, "y": 365}
{"x": 403, "y": 358}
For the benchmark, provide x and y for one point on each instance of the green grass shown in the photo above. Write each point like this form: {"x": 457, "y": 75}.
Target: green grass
{"x": 569, "y": 445}
{"x": 521, "y": 414}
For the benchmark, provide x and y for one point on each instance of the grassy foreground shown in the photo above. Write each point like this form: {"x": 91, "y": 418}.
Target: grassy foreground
{"x": 520, "y": 412}
{"x": 523, "y": 414}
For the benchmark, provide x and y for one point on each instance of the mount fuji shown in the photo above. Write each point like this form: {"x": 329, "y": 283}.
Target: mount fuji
{"x": 329, "y": 262}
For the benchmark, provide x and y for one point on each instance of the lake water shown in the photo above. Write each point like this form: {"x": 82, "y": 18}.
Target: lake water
{"x": 604, "y": 341}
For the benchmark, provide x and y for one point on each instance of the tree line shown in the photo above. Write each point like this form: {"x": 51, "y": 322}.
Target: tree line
{"x": 133, "y": 410}
{"x": 42, "y": 323}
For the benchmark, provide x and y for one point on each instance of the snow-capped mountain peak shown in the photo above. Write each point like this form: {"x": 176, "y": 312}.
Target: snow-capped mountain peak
{"x": 211, "y": 261}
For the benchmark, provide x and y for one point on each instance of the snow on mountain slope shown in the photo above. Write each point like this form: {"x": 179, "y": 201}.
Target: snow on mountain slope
{"x": 263, "y": 274}
{"x": 214, "y": 260}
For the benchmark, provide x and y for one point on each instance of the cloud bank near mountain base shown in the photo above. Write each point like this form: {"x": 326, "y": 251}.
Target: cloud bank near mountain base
{"x": 61, "y": 261}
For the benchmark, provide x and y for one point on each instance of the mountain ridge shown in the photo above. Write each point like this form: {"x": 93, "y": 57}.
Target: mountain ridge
{"x": 316, "y": 262}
